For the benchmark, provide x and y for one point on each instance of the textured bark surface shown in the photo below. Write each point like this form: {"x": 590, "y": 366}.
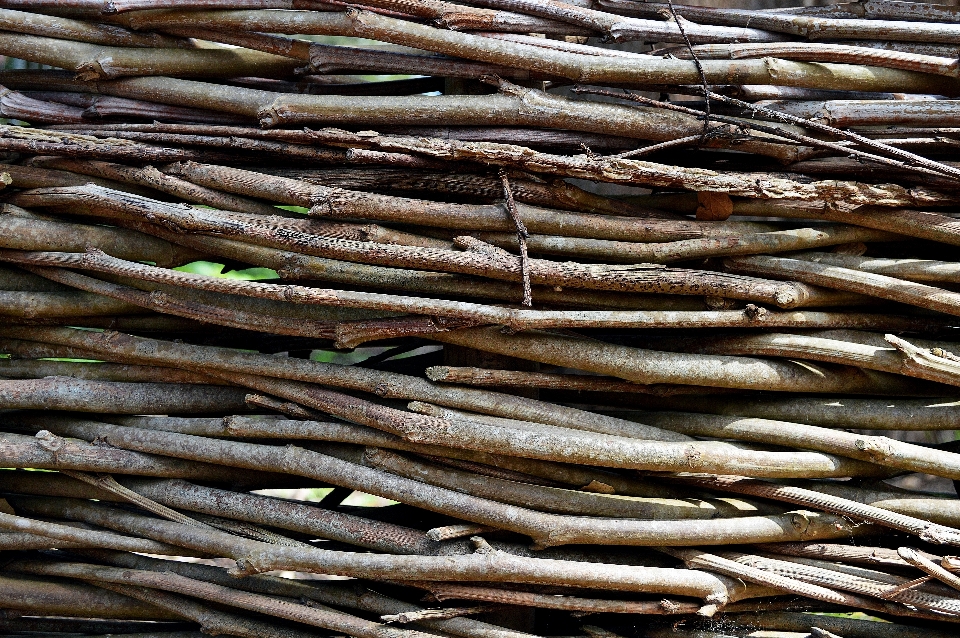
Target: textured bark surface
{"x": 496, "y": 319}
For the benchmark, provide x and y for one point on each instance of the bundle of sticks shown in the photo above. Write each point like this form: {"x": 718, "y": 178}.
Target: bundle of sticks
{"x": 417, "y": 318}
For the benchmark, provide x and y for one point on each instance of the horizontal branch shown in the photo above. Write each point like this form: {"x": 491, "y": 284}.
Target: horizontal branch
{"x": 21, "y": 230}
{"x": 37, "y": 369}
{"x": 582, "y": 68}
{"x": 36, "y": 305}
{"x": 81, "y": 31}
{"x": 558, "y": 444}
{"x": 821, "y": 52}
{"x": 852, "y": 412}
{"x": 42, "y": 597}
{"x": 165, "y": 581}
{"x": 927, "y": 531}
{"x": 343, "y": 594}
{"x": 129, "y": 349}
{"x": 492, "y": 565}
{"x": 874, "y": 449}
{"x": 94, "y": 61}
{"x": 688, "y": 249}
{"x": 882, "y": 286}
{"x": 922, "y": 270}
{"x": 111, "y": 397}
{"x": 652, "y": 366}
{"x": 910, "y": 24}
{"x": 763, "y": 186}
{"x": 336, "y": 203}
{"x": 19, "y": 451}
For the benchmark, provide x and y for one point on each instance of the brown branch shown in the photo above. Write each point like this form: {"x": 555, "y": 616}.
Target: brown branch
{"x": 62, "y": 393}
{"x": 522, "y": 235}
{"x": 652, "y": 366}
{"x": 488, "y": 564}
{"x": 927, "y": 531}
{"x": 165, "y": 581}
{"x": 849, "y": 280}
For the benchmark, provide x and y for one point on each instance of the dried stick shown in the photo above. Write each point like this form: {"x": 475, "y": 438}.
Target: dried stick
{"x": 36, "y": 597}
{"x": 923, "y": 563}
{"x": 555, "y": 193}
{"x": 298, "y": 266}
{"x": 522, "y": 235}
{"x": 534, "y": 470}
{"x": 170, "y": 298}
{"x": 226, "y": 311}
{"x": 546, "y": 529}
{"x": 622, "y": 278}
{"x": 352, "y": 595}
{"x": 512, "y": 106}
{"x": 35, "y": 141}
{"x": 154, "y": 179}
{"x": 107, "y": 483}
{"x": 111, "y": 397}
{"x": 613, "y": 27}
{"x": 15, "y": 541}
{"x": 87, "y": 537}
{"x": 444, "y": 591}
{"x": 92, "y": 626}
{"x": 33, "y": 305}
{"x": 82, "y": 31}
{"x": 859, "y": 139}
{"x": 651, "y": 366}
{"x": 450, "y": 532}
{"x": 697, "y": 559}
{"x": 176, "y": 303}
{"x": 488, "y": 564}
{"x": 583, "y": 68}
{"x": 24, "y": 231}
{"x": 628, "y": 171}
{"x": 327, "y": 59}
{"x": 875, "y": 449}
{"x": 34, "y": 369}
{"x": 929, "y": 532}
{"x": 338, "y": 203}
{"x": 99, "y": 62}
{"x": 907, "y": 161}
{"x": 18, "y": 451}
{"x": 129, "y": 349}
{"x": 847, "y": 627}
{"x": 544, "y": 499}
{"x": 922, "y": 270}
{"x": 820, "y": 52}
{"x": 875, "y": 556}
{"x": 208, "y": 134}
{"x": 915, "y": 223}
{"x": 550, "y": 381}
{"x": 212, "y": 621}
{"x": 165, "y": 581}
{"x": 881, "y": 286}
{"x": 555, "y": 443}
{"x": 866, "y": 112}
{"x": 864, "y": 350}
{"x": 816, "y": 27}
{"x": 15, "y": 105}
{"x": 439, "y": 614}
{"x": 859, "y": 580}
{"x": 852, "y": 412}
{"x": 682, "y": 250}
{"x": 263, "y": 510}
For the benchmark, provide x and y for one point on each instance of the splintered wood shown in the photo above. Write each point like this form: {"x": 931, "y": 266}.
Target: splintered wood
{"x": 417, "y": 318}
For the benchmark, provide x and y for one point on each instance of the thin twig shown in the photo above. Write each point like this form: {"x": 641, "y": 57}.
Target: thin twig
{"x": 703, "y": 76}
{"x": 522, "y": 235}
